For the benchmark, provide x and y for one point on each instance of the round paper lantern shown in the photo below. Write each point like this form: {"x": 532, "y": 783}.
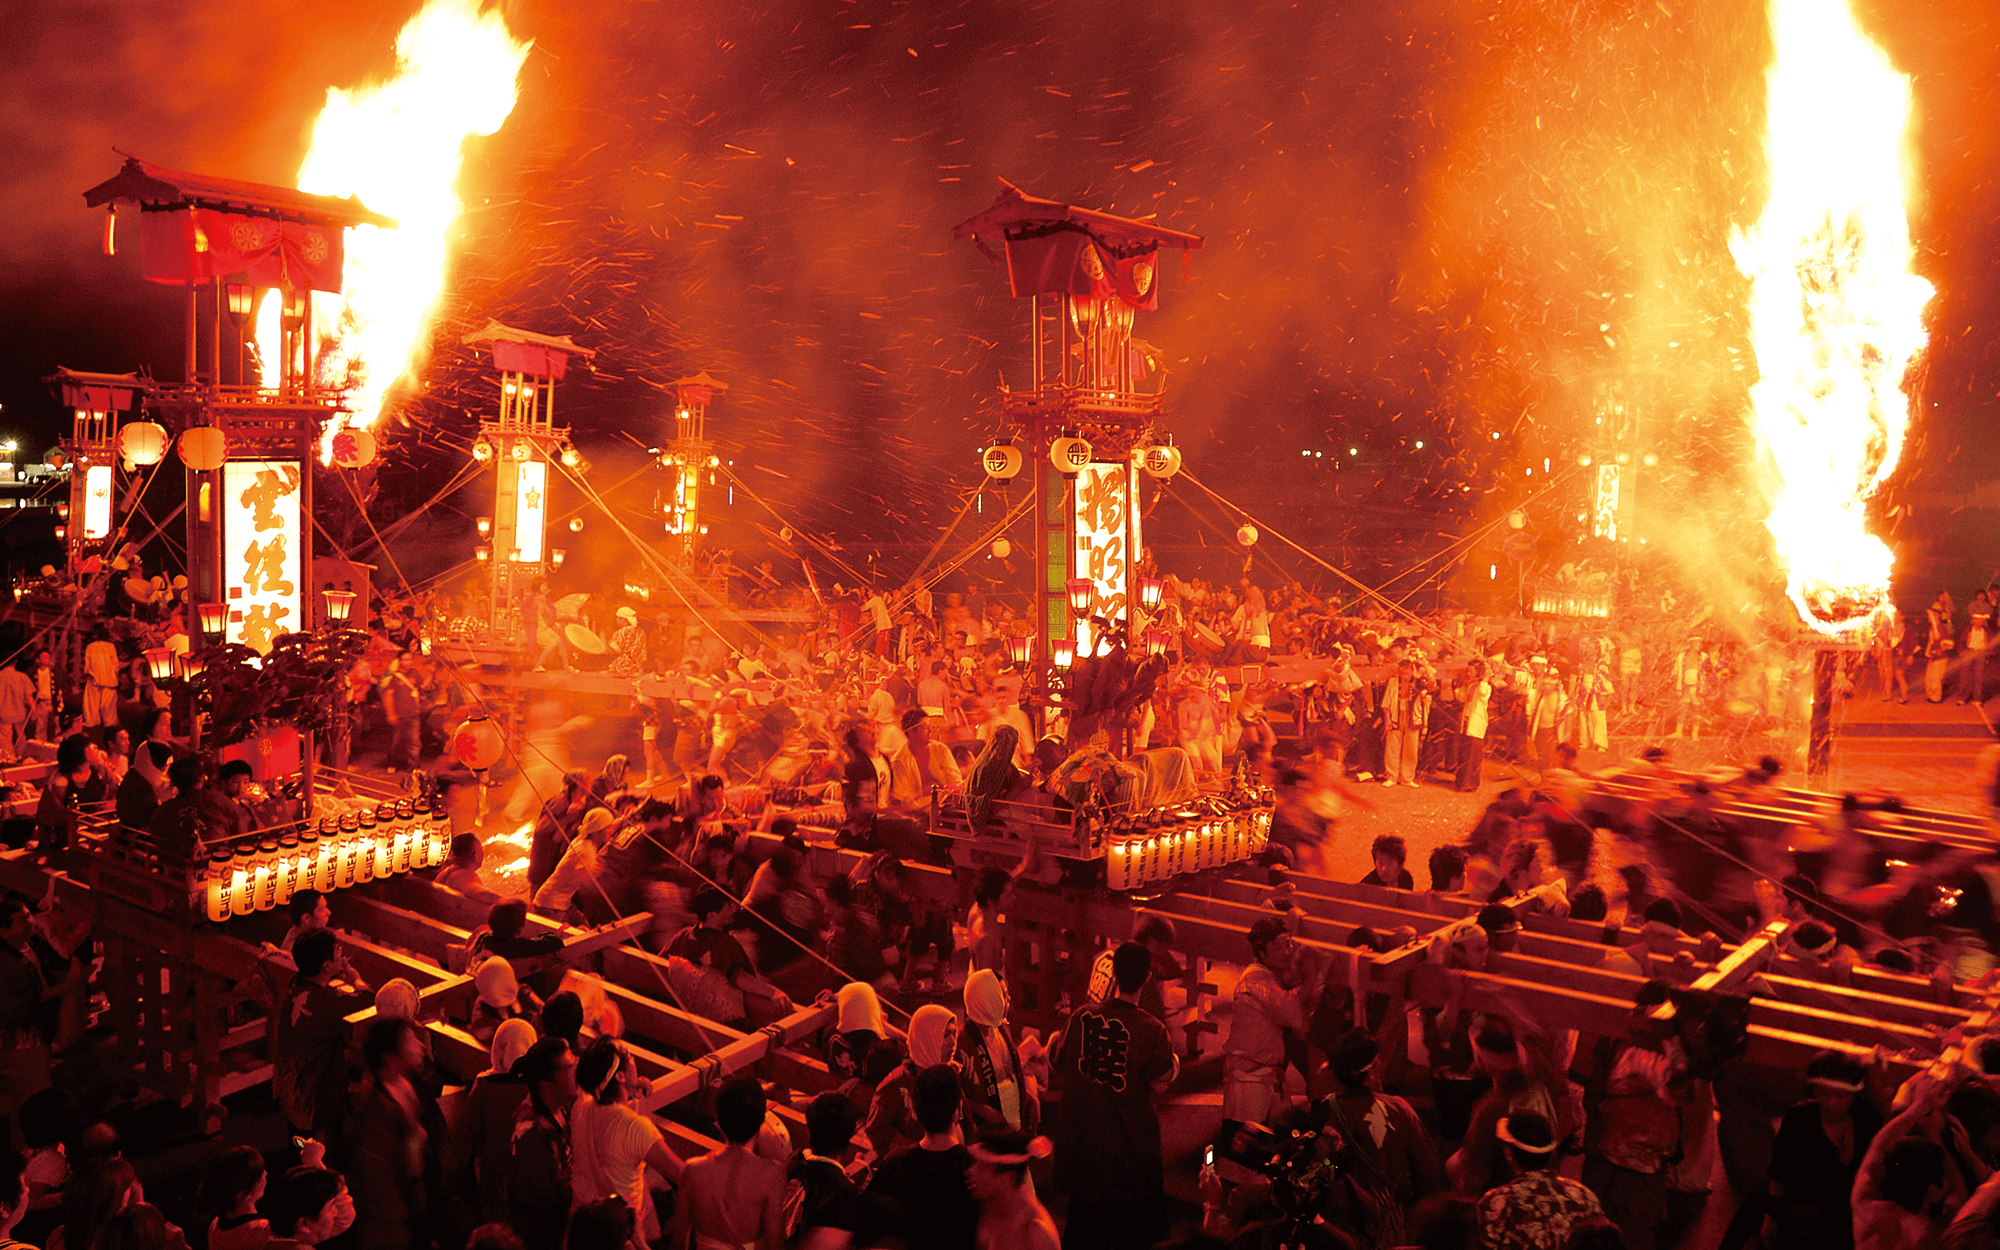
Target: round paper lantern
{"x": 1003, "y": 461}
{"x": 1002, "y": 549}
{"x": 203, "y": 448}
{"x": 1070, "y": 455}
{"x": 477, "y": 744}
{"x": 1517, "y": 520}
{"x": 1247, "y": 536}
{"x": 143, "y": 442}
{"x": 1160, "y": 462}
{"x": 353, "y": 448}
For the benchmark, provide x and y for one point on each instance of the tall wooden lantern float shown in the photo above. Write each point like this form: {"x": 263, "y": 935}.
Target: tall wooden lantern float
{"x": 1083, "y": 430}
{"x": 523, "y": 444}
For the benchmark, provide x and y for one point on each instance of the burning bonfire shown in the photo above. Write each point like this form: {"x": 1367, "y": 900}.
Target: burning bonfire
{"x": 398, "y": 145}
{"x": 1836, "y": 316}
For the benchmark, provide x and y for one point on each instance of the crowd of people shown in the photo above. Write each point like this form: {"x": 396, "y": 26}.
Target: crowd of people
{"x": 1363, "y": 1121}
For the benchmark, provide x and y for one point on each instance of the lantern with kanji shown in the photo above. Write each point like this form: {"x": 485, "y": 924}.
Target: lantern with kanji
{"x": 353, "y": 448}
{"x": 478, "y": 744}
{"x": 1003, "y": 462}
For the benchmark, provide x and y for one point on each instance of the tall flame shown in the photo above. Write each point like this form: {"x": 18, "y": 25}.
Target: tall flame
{"x": 397, "y": 146}
{"x": 1836, "y": 316}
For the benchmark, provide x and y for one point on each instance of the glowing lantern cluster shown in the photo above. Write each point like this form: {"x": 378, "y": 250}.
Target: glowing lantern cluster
{"x": 398, "y": 146}
{"x": 1170, "y": 846}
{"x": 1836, "y": 316}
{"x": 351, "y": 850}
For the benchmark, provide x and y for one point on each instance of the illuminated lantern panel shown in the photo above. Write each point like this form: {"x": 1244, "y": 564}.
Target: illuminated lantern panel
{"x": 531, "y": 508}
{"x": 262, "y": 546}
{"x": 1105, "y": 537}
{"x": 97, "y": 502}
{"x": 1604, "y": 515}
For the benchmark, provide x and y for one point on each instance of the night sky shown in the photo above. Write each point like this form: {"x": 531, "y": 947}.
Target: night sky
{"x": 1426, "y": 222}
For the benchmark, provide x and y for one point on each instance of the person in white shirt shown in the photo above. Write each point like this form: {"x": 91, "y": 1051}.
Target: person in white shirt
{"x": 1476, "y": 694}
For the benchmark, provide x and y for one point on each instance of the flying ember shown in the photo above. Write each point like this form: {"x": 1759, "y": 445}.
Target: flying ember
{"x": 397, "y": 146}
{"x": 1836, "y": 316}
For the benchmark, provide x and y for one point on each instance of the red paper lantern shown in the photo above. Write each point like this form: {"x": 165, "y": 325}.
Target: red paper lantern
{"x": 203, "y": 449}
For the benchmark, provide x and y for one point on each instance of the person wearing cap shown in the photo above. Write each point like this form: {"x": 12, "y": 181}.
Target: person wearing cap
{"x": 557, "y": 895}
{"x": 475, "y": 1165}
{"x": 923, "y": 764}
{"x": 1011, "y": 1216}
{"x": 628, "y": 645}
{"x": 1537, "y": 1209}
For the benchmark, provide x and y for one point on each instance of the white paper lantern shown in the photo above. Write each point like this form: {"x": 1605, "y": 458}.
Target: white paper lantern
{"x": 1160, "y": 462}
{"x": 1247, "y": 536}
{"x": 143, "y": 442}
{"x": 353, "y": 448}
{"x": 1002, "y": 549}
{"x": 1003, "y": 461}
{"x": 1070, "y": 455}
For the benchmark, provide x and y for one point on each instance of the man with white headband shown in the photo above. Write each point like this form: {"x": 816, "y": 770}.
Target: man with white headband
{"x": 1538, "y": 1208}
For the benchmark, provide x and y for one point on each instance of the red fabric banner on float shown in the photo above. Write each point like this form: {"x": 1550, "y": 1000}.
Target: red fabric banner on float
{"x": 530, "y": 358}
{"x": 199, "y": 244}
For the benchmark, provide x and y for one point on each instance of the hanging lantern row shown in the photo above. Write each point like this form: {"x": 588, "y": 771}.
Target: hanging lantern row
{"x": 352, "y": 850}
{"x": 1136, "y": 855}
{"x": 203, "y": 447}
{"x": 1003, "y": 461}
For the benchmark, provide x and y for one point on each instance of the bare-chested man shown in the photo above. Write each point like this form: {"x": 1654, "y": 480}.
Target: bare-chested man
{"x": 731, "y": 1199}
